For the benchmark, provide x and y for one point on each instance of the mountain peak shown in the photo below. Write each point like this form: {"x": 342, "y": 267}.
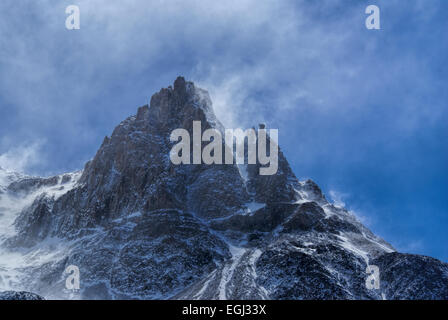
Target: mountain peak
{"x": 145, "y": 227}
{"x": 178, "y": 106}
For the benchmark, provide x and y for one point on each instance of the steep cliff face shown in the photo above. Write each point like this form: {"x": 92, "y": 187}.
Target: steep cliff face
{"x": 138, "y": 226}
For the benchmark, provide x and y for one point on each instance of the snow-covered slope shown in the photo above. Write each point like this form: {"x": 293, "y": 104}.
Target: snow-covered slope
{"x": 139, "y": 227}
{"x": 19, "y": 192}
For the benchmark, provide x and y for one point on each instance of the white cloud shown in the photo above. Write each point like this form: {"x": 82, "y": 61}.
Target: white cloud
{"x": 22, "y": 158}
{"x": 416, "y": 246}
{"x": 338, "y": 198}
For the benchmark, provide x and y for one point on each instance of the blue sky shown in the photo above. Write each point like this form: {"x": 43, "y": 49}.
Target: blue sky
{"x": 361, "y": 112}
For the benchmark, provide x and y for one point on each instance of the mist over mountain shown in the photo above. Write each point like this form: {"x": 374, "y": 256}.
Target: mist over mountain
{"x": 140, "y": 227}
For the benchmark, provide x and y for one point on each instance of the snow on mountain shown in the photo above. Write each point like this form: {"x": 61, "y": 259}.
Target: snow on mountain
{"x": 140, "y": 227}
{"x": 7, "y": 177}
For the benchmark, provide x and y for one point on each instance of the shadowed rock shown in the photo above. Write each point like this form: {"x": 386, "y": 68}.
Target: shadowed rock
{"x": 21, "y": 295}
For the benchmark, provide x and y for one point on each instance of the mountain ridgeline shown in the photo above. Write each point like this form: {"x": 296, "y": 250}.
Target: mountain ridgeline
{"x": 140, "y": 227}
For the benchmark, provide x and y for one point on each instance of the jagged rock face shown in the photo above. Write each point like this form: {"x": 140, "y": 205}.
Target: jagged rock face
{"x": 22, "y": 295}
{"x": 132, "y": 171}
{"x": 288, "y": 271}
{"x": 140, "y": 227}
{"x": 28, "y": 184}
{"x": 408, "y": 275}
{"x": 280, "y": 187}
{"x": 307, "y": 216}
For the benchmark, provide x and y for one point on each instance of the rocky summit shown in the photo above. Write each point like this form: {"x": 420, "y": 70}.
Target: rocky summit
{"x": 139, "y": 227}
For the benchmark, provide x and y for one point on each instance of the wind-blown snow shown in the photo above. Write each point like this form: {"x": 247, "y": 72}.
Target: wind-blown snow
{"x": 346, "y": 243}
{"x": 11, "y": 205}
{"x": 227, "y": 272}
